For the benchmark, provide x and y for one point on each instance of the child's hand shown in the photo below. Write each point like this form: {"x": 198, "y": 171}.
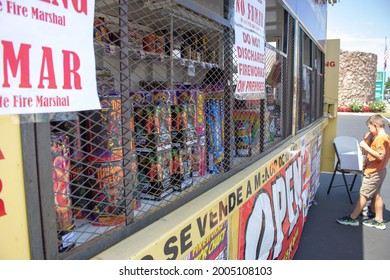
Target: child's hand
{"x": 368, "y": 138}
{"x": 364, "y": 145}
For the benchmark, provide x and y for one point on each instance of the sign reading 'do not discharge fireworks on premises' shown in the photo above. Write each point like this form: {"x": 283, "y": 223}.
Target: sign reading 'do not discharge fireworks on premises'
{"x": 249, "y": 19}
{"x": 47, "y": 61}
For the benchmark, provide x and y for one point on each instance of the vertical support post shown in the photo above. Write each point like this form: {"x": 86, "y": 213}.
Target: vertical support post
{"x": 126, "y": 110}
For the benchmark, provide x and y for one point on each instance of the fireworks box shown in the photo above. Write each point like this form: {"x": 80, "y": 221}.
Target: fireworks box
{"x": 140, "y": 98}
{"x": 186, "y": 100}
{"x": 69, "y": 123}
{"x": 61, "y": 180}
{"x": 132, "y": 166}
{"x": 152, "y": 119}
{"x": 182, "y": 167}
{"x": 184, "y": 138}
{"x": 199, "y": 155}
{"x": 183, "y": 117}
{"x": 154, "y": 174}
{"x": 184, "y": 122}
{"x": 155, "y": 190}
{"x": 81, "y": 194}
{"x": 163, "y": 97}
{"x": 152, "y": 127}
{"x": 246, "y": 124}
{"x": 215, "y": 136}
{"x": 192, "y": 104}
{"x": 106, "y": 182}
{"x": 105, "y": 80}
{"x": 104, "y": 129}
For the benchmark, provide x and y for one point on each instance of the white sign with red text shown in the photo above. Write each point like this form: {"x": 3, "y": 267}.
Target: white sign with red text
{"x": 250, "y": 14}
{"x": 47, "y": 61}
{"x": 249, "y": 24}
{"x": 250, "y": 65}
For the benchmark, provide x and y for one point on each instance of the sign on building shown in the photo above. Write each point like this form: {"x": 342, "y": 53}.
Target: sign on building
{"x": 47, "y": 61}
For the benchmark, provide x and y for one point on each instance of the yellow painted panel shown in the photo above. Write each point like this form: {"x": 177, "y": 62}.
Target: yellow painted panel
{"x": 331, "y": 103}
{"x": 14, "y": 242}
{"x": 332, "y": 64}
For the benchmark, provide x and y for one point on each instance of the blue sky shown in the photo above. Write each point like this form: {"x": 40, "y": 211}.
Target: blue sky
{"x": 361, "y": 25}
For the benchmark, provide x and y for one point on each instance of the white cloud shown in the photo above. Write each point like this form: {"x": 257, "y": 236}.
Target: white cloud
{"x": 362, "y": 42}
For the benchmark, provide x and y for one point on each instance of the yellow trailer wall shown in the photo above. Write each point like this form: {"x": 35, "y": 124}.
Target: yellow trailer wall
{"x": 14, "y": 243}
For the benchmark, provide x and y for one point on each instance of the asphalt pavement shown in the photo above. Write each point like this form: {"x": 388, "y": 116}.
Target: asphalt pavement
{"x": 322, "y": 237}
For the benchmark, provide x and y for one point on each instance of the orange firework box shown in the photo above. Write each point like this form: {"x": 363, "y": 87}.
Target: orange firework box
{"x": 61, "y": 185}
{"x": 106, "y": 181}
{"x": 61, "y": 179}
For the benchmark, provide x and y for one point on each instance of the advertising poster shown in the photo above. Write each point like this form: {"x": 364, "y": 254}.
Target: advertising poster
{"x": 315, "y": 167}
{"x": 47, "y": 61}
{"x": 213, "y": 247}
{"x": 306, "y": 174}
{"x": 271, "y": 222}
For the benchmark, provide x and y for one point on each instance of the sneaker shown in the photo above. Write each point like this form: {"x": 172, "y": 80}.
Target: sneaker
{"x": 368, "y": 214}
{"x": 348, "y": 221}
{"x": 374, "y": 223}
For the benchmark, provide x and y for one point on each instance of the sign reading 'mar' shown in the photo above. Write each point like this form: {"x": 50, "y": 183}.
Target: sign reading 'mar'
{"x": 47, "y": 61}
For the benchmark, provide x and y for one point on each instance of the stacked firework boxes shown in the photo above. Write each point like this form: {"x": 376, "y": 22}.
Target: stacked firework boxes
{"x": 170, "y": 139}
{"x": 91, "y": 155}
{"x": 103, "y": 138}
{"x": 105, "y": 160}
{"x": 153, "y": 141}
{"x": 184, "y": 137}
{"x": 214, "y": 112}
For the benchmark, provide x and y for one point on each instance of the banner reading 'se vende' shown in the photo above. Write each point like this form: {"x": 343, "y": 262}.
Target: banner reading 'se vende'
{"x": 47, "y": 61}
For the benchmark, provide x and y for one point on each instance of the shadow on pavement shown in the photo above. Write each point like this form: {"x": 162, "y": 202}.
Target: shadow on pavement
{"x": 322, "y": 237}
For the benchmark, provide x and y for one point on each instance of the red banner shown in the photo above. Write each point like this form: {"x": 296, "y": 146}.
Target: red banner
{"x": 271, "y": 222}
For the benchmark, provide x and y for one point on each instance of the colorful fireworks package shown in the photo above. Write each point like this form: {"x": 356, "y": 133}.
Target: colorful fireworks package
{"x": 215, "y": 136}
{"x": 154, "y": 174}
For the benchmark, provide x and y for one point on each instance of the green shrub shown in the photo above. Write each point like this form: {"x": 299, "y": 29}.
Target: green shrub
{"x": 378, "y": 106}
{"x": 356, "y": 106}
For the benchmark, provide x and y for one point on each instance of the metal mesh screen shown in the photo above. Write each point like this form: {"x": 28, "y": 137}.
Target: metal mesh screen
{"x": 311, "y": 83}
{"x": 169, "y": 122}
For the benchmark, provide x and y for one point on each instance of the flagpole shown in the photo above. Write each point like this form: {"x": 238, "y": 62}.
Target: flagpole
{"x": 386, "y": 56}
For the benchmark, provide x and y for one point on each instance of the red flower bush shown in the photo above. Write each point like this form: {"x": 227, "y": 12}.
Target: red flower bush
{"x": 344, "y": 109}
